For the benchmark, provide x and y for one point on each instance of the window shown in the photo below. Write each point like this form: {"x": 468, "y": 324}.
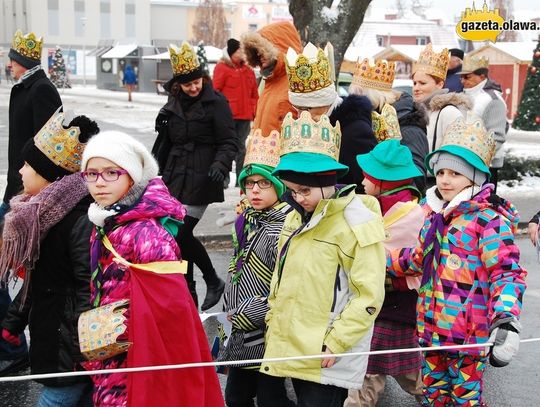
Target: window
{"x": 421, "y": 40}
{"x": 54, "y": 17}
{"x": 252, "y": 27}
{"x": 105, "y": 18}
{"x": 80, "y": 19}
{"x": 380, "y": 40}
{"x": 130, "y": 18}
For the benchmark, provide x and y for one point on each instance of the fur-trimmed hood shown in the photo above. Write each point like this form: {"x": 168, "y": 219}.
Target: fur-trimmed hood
{"x": 459, "y": 100}
{"x": 270, "y": 41}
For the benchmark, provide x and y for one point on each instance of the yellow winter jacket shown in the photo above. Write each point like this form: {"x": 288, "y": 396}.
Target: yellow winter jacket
{"x": 327, "y": 289}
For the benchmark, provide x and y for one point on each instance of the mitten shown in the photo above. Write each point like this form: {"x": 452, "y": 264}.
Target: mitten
{"x": 216, "y": 174}
{"x": 505, "y": 338}
{"x": 9, "y": 337}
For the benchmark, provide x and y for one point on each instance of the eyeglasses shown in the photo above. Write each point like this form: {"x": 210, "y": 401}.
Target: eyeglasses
{"x": 107, "y": 175}
{"x": 262, "y": 183}
{"x": 302, "y": 192}
{"x": 302, "y": 108}
{"x": 467, "y": 76}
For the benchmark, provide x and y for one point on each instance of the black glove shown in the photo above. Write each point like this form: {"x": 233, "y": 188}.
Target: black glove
{"x": 505, "y": 338}
{"x": 216, "y": 174}
{"x": 161, "y": 121}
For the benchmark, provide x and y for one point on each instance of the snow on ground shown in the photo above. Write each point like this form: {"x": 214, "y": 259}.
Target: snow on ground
{"x": 528, "y": 184}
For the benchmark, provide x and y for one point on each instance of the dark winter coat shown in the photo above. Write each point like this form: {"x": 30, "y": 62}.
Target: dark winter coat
{"x": 31, "y": 104}
{"x": 202, "y": 137}
{"x": 59, "y": 291}
{"x": 453, "y": 80}
{"x": 412, "y": 119}
{"x": 238, "y": 85}
{"x": 354, "y": 116}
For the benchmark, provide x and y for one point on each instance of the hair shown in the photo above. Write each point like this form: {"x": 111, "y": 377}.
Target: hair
{"x": 435, "y": 78}
{"x": 87, "y": 127}
{"x": 377, "y": 97}
{"x": 176, "y": 89}
{"x": 481, "y": 71}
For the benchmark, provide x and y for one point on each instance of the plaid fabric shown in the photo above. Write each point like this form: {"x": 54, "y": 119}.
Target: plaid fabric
{"x": 393, "y": 335}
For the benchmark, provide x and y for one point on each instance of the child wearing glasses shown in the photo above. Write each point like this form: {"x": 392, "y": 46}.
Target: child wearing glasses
{"x": 389, "y": 172}
{"x": 46, "y": 242}
{"x": 328, "y": 286}
{"x": 255, "y": 237}
{"x": 135, "y": 211}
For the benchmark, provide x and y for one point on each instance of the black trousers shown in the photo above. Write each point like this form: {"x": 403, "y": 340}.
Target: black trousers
{"x": 311, "y": 394}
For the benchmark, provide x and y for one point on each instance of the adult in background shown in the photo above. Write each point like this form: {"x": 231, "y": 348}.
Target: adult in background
{"x": 32, "y": 102}
{"x": 195, "y": 149}
{"x": 236, "y": 81}
{"x": 488, "y": 103}
{"x": 453, "y": 80}
{"x": 266, "y": 49}
{"x": 129, "y": 80}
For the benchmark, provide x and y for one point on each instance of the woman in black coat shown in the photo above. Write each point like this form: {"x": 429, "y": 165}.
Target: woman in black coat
{"x": 195, "y": 148}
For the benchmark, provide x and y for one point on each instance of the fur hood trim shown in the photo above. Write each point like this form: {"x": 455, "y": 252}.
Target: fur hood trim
{"x": 459, "y": 100}
{"x": 254, "y": 44}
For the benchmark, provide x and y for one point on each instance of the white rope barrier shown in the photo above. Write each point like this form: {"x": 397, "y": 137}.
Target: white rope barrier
{"x": 245, "y": 362}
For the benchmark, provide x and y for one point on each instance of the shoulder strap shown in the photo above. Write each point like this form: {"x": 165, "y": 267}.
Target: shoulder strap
{"x": 434, "y": 141}
{"x": 159, "y": 267}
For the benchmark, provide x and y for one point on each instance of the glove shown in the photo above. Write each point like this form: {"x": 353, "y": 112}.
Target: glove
{"x": 505, "y": 338}
{"x": 161, "y": 121}
{"x": 216, "y": 174}
{"x": 9, "y": 337}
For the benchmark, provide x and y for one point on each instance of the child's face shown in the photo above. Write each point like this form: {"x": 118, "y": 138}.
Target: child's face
{"x": 370, "y": 188}
{"x": 308, "y": 197}
{"x": 260, "y": 192}
{"x": 33, "y": 183}
{"x": 106, "y": 193}
{"x": 451, "y": 183}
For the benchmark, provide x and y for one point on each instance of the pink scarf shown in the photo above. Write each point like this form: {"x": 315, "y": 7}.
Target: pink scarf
{"x": 28, "y": 221}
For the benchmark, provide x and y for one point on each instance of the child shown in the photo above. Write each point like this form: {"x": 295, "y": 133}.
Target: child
{"x": 389, "y": 173}
{"x": 472, "y": 284}
{"x": 46, "y": 242}
{"x": 255, "y": 238}
{"x": 135, "y": 211}
{"x": 328, "y": 285}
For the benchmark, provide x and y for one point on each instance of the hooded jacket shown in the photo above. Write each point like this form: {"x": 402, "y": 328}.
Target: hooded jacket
{"x": 161, "y": 329}
{"x": 327, "y": 289}
{"x": 272, "y": 41}
{"x": 477, "y": 280}
{"x": 237, "y": 83}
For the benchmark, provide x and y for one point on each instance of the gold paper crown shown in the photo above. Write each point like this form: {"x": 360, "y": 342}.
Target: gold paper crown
{"x": 471, "y": 64}
{"x": 432, "y": 63}
{"x": 305, "y": 135}
{"x": 262, "y": 149}
{"x": 308, "y": 71}
{"x": 59, "y": 144}
{"x": 184, "y": 59}
{"x": 471, "y": 134}
{"x": 27, "y": 45}
{"x": 380, "y": 76}
{"x": 385, "y": 125}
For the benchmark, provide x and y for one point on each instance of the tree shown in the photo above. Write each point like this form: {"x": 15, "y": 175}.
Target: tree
{"x": 210, "y": 24}
{"x": 528, "y": 115}
{"x": 57, "y": 71}
{"x": 337, "y": 21}
{"x": 203, "y": 59}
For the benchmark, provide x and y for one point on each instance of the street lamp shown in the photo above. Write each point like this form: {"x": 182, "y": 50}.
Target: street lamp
{"x": 83, "y": 23}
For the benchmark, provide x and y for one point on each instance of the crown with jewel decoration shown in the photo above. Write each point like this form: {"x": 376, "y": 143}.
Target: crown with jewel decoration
{"x": 385, "y": 125}
{"x": 471, "y": 64}
{"x": 27, "y": 45}
{"x": 184, "y": 60}
{"x": 306, "y": 135}
{"x": 309, "y": 71}
{"x": 432, "y": 63}
{"x": 61, "y": 145}
{"x": 262, "y": 149}
{"x": 470, "y": 133}
{"x": 379, "y": 76}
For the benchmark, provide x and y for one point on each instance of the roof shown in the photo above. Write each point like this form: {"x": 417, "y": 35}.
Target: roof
{"x": 521, "y": 51}
{"x": 120, "y": 51}
{"x": 212, "y": 53}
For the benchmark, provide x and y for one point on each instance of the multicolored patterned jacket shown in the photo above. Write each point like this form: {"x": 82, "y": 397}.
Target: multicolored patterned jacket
{"x": 477, "y": 278}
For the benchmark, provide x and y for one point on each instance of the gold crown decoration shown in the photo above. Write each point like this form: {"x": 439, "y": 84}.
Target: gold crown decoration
{"x": 385, "y": 125}
{"x": 184, "y": 60}
{"x": 471, "y": 134}
{"x": 432, "y": 63}
{"x": 306, "y": 135}
{"x": 309, "y": 71}
{"x": 379, "y": 76}
{"x": 60, "y": 145}
{"x": 27, "y": 45}
{"x": 471, "y": 63}
{"x": 262, "y": 149}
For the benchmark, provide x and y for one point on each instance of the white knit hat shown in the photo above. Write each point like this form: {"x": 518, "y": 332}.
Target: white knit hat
{"x": 459, "y": 165}
{"x": 124, "y": 151}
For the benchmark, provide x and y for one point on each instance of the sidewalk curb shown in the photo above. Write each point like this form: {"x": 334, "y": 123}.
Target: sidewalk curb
{"x": 216, "y": 242}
